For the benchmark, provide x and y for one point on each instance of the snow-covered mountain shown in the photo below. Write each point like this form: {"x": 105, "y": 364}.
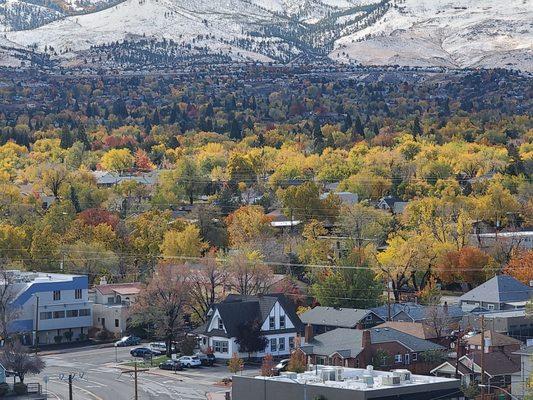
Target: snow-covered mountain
{"x": 456, "y": 33}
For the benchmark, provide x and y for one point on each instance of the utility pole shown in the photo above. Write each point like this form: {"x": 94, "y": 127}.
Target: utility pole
{"x": 70, "y": 387}
{"x": 136, "y": 396}
{"x": 388, "y": 300}
{"x": 458, "y": 345}
{"x": 482, "y": 357}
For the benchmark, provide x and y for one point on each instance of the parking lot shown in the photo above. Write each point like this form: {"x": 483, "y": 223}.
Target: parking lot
{"x": 100, "y": 374}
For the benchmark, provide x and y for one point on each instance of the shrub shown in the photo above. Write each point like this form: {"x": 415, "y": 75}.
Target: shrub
{"x": 58, "y": 339}
{"x": 104, "y": 334}
{"x": 68, "y": 335}
{"x": 4, "y": 388}
{"x": 20, "y": 388}
{"x": 82, "y": 337}
{"x": 297, "y": 362}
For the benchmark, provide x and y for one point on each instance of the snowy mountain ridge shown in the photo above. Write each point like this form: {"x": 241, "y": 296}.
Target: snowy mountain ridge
{"x": 459, "y": 33}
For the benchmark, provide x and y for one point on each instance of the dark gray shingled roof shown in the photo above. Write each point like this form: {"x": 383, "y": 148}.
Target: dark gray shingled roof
{"x": 341, "y": 339}
{"x": 386, "y": 335}
{"x": 500, "y": 289}
{"x": 236, "y": 310}
{"x": 340, "y": 317}
{"x": 349, "y": 341}
{"x": 417, "y": 312}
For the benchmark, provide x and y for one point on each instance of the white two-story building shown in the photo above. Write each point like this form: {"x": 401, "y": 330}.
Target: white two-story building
{"x": 280, "y": 325}
{"x": 49, "y": 308}
{"x": 111, "y": 308}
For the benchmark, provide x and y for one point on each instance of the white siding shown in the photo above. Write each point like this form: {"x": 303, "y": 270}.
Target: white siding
{"x": 276, "y": 312}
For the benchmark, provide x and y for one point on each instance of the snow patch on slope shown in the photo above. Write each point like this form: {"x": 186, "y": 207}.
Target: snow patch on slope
{"x": 463, "y": 33}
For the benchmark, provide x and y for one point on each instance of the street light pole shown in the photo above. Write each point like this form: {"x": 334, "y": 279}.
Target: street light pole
{"x": 502, "y": 389}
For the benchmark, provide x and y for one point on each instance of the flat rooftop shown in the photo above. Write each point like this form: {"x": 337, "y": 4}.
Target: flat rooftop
{"x": 359, "y": 379}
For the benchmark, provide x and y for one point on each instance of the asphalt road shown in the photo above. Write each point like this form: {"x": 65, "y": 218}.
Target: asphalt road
{"x": 98, "y": 378}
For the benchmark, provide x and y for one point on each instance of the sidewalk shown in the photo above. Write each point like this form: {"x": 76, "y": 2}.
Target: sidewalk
{"x": 217, "y": 395}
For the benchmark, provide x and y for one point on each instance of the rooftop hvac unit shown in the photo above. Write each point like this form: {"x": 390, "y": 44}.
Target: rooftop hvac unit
{"x": 368, "y": 380}
{"x": 328, "y": 374}
{"x": 404, "y": 374}
{"x": 390, "y": 380}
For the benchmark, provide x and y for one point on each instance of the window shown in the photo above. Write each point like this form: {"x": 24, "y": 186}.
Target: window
{"x": 220, "y": 346}
{"x": 281, "y": 345}
{"x": 57, "y": 295}
{"x": 117, "y": 323}
{"x": 398, "y": 358}
{"x": 291, "y": 342}
{"x": 46, "y": 315}
{"x": 59, "y": 314}
{"x": 320, "y": 360}
{"x": 72, "y": 313}
{"x": 273, "y": 345}
{"x": 85, "y": 312}
{"x": 282, "y": 322}
{"x": 272, "y": 323}
{"x": 220, "y": 324}
{"x": 77, "y": 294}
{"x": 490, "y": 306}
{"x": 414, "y": 356}
{"x": 110, "y": 300}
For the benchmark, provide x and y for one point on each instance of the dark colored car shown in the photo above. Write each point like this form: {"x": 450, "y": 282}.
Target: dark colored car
{"x": 128, "y": 341}
{"x": 142, "y": 352}
{"x": 171, "y": 365}
{"x": 207, "y": 359}
{"x": 281, "y": 366}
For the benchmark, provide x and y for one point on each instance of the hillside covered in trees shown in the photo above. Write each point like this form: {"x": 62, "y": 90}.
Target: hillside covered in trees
{"x": 204, "y": 162}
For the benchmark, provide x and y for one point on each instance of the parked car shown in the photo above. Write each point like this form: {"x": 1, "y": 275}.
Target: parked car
{"x": 158, "y": 347}
{"x": 142, "y": 352}
{"x": 281, "y": 366}
{"x": 207, "y": 359}
{"x": 190, "y": 361}
{"x": 171, "y": 365}
{"x": 128, "y": 341}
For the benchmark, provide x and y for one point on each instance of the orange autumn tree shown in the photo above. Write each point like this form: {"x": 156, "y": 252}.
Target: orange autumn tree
{"x": 521, "y": 266}
{"x": 267, "y": 366}
{"x": 142, "y": 161}
{"x": 464, "y": 265}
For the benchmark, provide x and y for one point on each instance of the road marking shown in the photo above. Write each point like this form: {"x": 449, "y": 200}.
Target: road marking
{"x": 81, "y": 389}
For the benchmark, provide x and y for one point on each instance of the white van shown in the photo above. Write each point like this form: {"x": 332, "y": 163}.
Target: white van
{"x": 158, "y": 347}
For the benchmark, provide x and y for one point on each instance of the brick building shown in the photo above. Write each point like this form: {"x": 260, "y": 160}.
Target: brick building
{"x": 384, "y": 348}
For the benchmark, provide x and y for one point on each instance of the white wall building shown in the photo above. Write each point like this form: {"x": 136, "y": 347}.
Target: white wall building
{"x": 112, "y": 303}
{"x": 279, "y": 325}
{"x": 55, "y": 307}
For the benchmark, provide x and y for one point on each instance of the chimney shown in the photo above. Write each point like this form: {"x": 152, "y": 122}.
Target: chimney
{"x": 308, "y": 333}
{"x": 103, "y": 280}
{"x": 367, "y": 341}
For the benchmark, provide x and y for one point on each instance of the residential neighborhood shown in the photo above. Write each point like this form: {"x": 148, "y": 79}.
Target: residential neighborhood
{"x": 280, "y": 229}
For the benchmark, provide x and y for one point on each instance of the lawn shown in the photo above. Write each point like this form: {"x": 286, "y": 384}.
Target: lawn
{"x": 147, "y": 363}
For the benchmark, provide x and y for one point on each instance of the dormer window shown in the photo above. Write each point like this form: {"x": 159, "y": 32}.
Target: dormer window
{"x": 220, "y": 324}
